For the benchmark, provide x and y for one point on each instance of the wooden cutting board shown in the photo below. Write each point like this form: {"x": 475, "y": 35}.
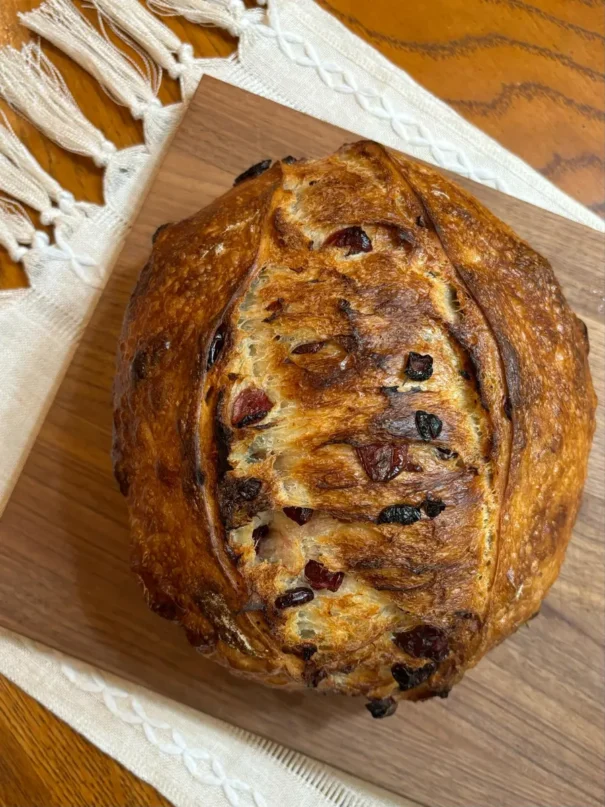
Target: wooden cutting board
{"x": 524, "y": 728}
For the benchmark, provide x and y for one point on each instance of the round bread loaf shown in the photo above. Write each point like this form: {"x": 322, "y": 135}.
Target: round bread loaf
{"x": 353, "y": 413}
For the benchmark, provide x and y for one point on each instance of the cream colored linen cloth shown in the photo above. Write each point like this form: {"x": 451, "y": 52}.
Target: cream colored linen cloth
{"x": 298, "y": 55}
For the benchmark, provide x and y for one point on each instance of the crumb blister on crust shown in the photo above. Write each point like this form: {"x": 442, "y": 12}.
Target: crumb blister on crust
{"x": 352, "y": 419}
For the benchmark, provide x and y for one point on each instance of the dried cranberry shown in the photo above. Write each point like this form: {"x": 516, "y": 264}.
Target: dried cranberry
{"x": 354, "y": 238}
{"x": 382, "y": 462}
{"x": 258, "y": 534}
{"x": 432, "y": 507}
{"x": 216, "y": 346}
{"x": 429, "y": 426}
{"x": 399, "y": 514}
{"x": 321, "y": 577}
{"x": 424, "y": 641}
{"x": 385, "y": 707}
{"x": 250, "y": 406}
{"x": 248, "y": 489}
{"x": 254, "y": 171}
{"x": 411, "y": 677}
{"x": 293, "y": 597}
{"x": 419, "y": 366}
{"x": 299, "y": 514}
{"x": 309, "y": 347}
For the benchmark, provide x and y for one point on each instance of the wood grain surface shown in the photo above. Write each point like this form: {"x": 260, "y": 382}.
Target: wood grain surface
{"x": 515, "y": 69}
{"x": 530, "y": 74}
{"x": 44, "y": 763}
{"x": 525, "y": 727}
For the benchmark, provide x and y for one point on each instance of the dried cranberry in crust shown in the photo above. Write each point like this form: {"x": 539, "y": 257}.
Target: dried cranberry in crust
{"x": 254, "y": 171}
{"x": 216, "y": 346}
{"x": 411, "y": 677}
{"x": 258, "y": 534}
{"x": 419, "y": 366}
{"x": 320, "y": 577}
{"x": 299, "y": 514}
{"x": 250, "y": 406}
{"x": 294, "y": 597}
{"x": 399, "y": 514}
{"x": 385, "y": 707}
{"x": 433, "y": 507}
{"x": 353, "y": 237}
{"x": 428, "y": 426}
{"x": 423, "y": 641}
{"x": 382, "y": 462}
{"x": 309, "y": 347}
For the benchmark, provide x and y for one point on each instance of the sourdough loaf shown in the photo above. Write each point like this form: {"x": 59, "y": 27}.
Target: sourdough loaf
{"x": 353, "y": 413}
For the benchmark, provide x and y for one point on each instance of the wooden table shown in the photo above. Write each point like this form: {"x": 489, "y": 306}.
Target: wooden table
{"x": 529, "y": 75}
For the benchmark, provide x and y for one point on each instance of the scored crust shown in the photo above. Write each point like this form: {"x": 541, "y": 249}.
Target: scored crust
{"x": 353, "y": 413}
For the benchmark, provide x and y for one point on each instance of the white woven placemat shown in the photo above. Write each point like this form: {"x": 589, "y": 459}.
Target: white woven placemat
{"x": 295, "y": 54}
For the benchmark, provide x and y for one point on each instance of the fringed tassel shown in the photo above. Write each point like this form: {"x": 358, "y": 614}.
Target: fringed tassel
{"x": 63, "y": 25}
{"x": 232, "y": 15}
{"x": 24, "y": 178}
{"x": 156, "y": 39}
{"x": 33, "y": 86}
{"x": 17, "y": 233}
{"x": 145, "y": 29}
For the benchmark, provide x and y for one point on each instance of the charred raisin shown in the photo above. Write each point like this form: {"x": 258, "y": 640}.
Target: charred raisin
{"x": 250, "y": 406}
{"x": 424, "y": 641}
{"x": 294, "y": 597}
{"x": 258, "y": 534}
{"x": 432, "y": 507}
{"x": 382, "y": 462}
{"x": 254, "y": 171}
{"x": 399, "y": 514}
{"x": 428, "y": 426}
{"x": 320, "y": 577}
{"x": 299, "y": 514}
{"x": 248, "y": 489}
{"x": 385, "y": 707}
{"x": 354, "y": 238}
{"x": 411, "y": 677}
{"x": 216, "y": 346}
{"x": 419, "y": 366}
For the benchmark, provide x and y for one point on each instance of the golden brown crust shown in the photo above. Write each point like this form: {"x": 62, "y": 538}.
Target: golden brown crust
{"x": 312, "y": 497}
